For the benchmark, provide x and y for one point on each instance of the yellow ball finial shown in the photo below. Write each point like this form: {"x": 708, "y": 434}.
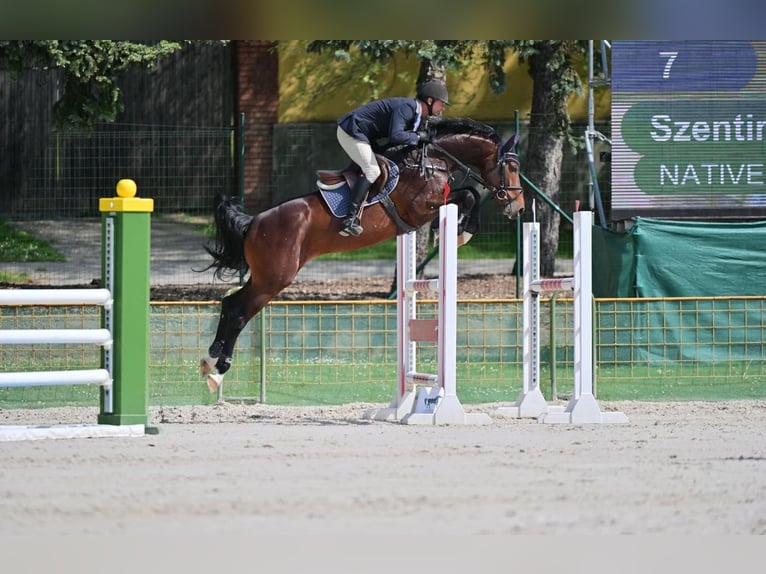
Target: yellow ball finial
{"x": 126, "y": 188}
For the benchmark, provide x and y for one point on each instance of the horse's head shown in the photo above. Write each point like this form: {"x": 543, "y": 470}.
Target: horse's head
{"x": 508, "y": 191}
{"x": 469, "y": 143}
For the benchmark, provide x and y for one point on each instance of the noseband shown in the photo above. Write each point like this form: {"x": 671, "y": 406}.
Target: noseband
{"x": 502, "y": 193}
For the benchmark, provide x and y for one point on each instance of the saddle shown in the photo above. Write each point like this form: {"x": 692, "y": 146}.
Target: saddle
{"x": 333, "y": 178}
{"x": 334, "y": 185}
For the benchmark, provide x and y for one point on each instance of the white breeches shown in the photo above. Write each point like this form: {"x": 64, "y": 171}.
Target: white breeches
{"x": 360, "y": 153}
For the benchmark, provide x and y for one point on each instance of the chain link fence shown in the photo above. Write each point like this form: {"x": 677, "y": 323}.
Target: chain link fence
{"x": 181, "y": 169}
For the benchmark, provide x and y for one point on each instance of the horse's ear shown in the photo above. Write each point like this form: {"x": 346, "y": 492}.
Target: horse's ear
{"x": 510, "y": 145}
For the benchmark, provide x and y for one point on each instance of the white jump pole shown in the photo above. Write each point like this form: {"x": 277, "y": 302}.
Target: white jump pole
{"x": 55, "y": 336}
{"x": 101, "y": 297}
{"x": 103, "y": 337}
{"x": 437, "y": 403}
{"x": 582, "y": 407}
{"x": 44, "y": 378}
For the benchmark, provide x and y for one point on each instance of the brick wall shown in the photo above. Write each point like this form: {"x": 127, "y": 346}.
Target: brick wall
{"x": 257, "y": 96}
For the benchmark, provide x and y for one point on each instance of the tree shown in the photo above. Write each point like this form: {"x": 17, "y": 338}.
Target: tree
{"x": 89, "y": 69}
{"x": 555, "y": 78}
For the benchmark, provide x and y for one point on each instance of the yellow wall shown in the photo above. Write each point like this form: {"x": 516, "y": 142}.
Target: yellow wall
{"x": 314, "y": 90}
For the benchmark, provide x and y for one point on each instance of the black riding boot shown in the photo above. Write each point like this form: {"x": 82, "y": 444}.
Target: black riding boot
{"x": 352, "y": 225}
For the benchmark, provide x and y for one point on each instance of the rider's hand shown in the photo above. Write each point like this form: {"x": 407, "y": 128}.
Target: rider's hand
{"x": 423, "y": 137}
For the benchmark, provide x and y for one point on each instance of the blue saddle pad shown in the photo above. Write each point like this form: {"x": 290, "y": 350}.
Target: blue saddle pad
{"x": 339, "y": 198}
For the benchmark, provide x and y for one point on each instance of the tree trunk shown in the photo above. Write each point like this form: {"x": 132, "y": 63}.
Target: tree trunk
{"x": 543, "y": 160}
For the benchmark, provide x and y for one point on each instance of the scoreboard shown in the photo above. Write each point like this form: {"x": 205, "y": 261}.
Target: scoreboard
{"x": 689, "y": 129}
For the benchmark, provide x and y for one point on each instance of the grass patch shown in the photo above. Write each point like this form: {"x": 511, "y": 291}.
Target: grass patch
{"x": 342, "y": 383}
{"x": 384, "y": 250}
{"x": 480, "y": 247}
{"x": 15, "y": 278}
{"x": 202, "y": 223}
{"x": 18, "y": 246}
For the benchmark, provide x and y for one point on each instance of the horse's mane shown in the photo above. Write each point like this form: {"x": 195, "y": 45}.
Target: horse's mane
{"x": 453, "y": 126}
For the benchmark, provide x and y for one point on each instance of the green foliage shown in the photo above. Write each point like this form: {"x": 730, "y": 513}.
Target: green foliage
{"x": 20, "y": 246}
{"x": 555, "y": 58}
{"x": 89, "y": 68}
{"x": 446, "y": 54}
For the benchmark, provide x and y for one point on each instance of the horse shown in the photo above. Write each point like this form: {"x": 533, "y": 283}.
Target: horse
{"x": 276, "y": 243}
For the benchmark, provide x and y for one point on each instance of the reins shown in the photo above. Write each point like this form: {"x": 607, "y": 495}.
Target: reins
{"x": 427, "y": 169}
{"x": 469, "y": 173}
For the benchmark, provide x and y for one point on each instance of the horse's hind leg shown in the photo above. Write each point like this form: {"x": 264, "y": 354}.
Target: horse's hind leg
{"x": 237, "y": 308}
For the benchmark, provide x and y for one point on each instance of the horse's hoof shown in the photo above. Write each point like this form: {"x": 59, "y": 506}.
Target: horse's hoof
{"x": 206, "y": 365}
{"x": 464, "y": 238}
{"x": 214, "y": 381}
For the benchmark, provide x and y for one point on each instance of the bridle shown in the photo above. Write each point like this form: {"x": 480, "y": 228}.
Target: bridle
{"x": 428, "y": 169}
{"x": 501, "y": 193}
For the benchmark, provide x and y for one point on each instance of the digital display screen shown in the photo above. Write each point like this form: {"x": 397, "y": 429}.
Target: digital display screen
{"x": 688, "y": 129}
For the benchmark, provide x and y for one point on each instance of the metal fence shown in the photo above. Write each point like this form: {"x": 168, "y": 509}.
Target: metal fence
{"x": 343, "y": 352}
{"x": 182, "y": 169}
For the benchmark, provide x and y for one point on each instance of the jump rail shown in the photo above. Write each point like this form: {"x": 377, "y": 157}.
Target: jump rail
{"x": 103, "y": 337}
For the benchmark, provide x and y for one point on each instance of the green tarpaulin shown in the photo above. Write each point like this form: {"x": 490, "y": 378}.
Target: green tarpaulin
{"x": 660, "y": 258}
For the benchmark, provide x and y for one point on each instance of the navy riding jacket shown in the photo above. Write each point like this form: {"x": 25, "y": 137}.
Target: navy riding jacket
{"x": 384, "y": 123}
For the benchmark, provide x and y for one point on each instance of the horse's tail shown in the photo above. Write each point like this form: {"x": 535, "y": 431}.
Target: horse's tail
{"x": 228, "y": 249}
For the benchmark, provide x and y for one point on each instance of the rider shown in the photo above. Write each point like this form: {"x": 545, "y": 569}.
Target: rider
{"x": 383, "y": 123}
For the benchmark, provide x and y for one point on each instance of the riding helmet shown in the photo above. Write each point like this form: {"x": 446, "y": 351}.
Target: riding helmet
{"x": 433, "y": 89}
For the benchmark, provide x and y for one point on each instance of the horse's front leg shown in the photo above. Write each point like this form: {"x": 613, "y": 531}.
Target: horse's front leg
{"x": 468, "y": 201}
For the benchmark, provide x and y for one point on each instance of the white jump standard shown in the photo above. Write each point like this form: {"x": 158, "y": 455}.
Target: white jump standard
{"x": 582, "y": 407}
{"x": 436, "y": 403}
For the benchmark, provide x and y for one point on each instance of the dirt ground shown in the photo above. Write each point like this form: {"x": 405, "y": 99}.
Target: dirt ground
{"x": 216, "y": 473}
{"x": 220, "y": 470}
{"x": 479, "y": 286}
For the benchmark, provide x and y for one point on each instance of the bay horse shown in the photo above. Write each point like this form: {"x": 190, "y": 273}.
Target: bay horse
{"x": 275, "y": 244}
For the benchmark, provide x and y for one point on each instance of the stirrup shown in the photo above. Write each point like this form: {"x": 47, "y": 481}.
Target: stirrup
{"x": 351, "y": 226}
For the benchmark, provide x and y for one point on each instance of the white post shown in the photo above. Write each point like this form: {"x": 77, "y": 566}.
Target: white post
{"x": 447, "y": 298}
{"x": 583, "y": 315}
{"x": 530, "y": 402}
{"x": 406, "y": 311}
{"x": 582, "y": 408}
{"x": 56, "y": 297}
